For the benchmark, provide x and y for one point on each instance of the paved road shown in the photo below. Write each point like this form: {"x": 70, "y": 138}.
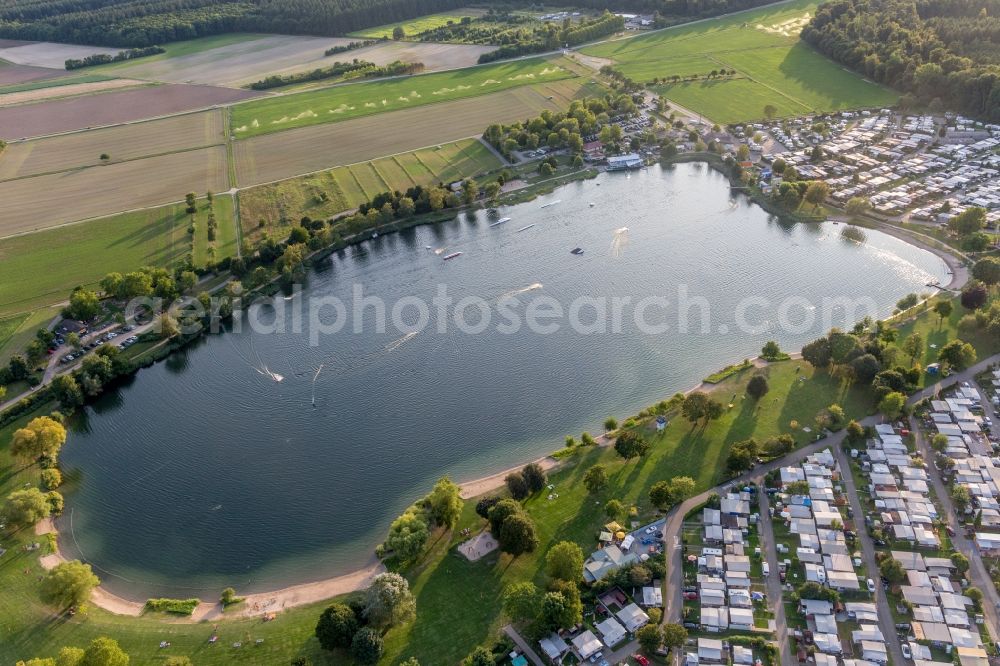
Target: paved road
{"x": 885, "y": 617}
{"x": 774, "y": 580}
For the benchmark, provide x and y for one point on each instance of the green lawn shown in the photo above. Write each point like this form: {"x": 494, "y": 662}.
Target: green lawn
{"x": 361, "y": 99}
{"x": 729, "y": 100}
{"x": 41, "y": 268}
{"x": 762, "y": 46}
{"x": 418, "y": 25}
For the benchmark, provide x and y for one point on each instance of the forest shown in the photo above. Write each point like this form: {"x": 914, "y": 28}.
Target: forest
{"x": 944, "y": 54}
{"x": 141, "y": 23}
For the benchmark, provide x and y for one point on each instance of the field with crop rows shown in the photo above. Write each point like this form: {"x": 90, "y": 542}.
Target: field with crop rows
{"x": 327, "y": 193}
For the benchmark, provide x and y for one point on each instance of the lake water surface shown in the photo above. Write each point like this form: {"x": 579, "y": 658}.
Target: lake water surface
{"x": 205, "y": 471}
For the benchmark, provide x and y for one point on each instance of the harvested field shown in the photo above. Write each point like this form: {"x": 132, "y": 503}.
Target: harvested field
{"x": 52, "y": 82}
{"x": 343, "y": 102}
{"x": 50, "y": 54}
{"x": 272, "y": 157}
{"x": 41, "y": 268}
{"x": 327, "y": 193}
{"x": 43, "y": 93}
{"x": 12, "y": 74}
{"x": 122, "y": 142}
{"x": 32, "y": 204}
{"x": 243, "y": 62}
{"x": 65, "y": 115}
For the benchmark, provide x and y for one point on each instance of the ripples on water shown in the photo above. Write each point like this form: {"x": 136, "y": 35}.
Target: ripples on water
{"x": 207, "y": 471}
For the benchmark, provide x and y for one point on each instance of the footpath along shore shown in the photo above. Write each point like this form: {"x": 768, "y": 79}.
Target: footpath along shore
{"x": 263, "y": 603}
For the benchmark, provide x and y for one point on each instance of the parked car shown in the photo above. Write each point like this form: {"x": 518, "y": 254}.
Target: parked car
{"x": 907, "y": 654}
{"x": 871, "y": 585}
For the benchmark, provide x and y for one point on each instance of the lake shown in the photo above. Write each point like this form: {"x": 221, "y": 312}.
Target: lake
{"x": 258, "y": 459}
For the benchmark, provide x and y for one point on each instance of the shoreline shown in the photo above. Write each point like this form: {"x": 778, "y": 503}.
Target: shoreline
{"x": 261, "y": 603}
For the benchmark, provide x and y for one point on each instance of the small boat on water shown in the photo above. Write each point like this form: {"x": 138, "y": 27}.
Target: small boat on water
{"x": 451, "y": 256}
{"x": 525, "y": 228}
{"x": 592, "y": 204}
{"x": 500, "y": 221}
{"x": 551, "y": 203}
{"x": 428, "y": 247}
{"x": 577, "y": 251}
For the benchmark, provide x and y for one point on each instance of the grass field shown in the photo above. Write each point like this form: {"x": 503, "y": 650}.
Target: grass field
{"x": 763, "y": 46}
{"x": 327, "y": 193}
{"x": 39, "y": 202}
{"x": 25, "y": 333}
{"x": 729, "y": 100}
{"x": 418, "y": 25}
{"x": 40, "y": 269}
{"x": 123, "y": 142}
{"x": 273, "y": 157}
{"x": 362, "y": 99}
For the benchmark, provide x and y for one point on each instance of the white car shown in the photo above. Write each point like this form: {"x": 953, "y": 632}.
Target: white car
{"x": 871, "y": 585}
{"x": 907, "y": 654}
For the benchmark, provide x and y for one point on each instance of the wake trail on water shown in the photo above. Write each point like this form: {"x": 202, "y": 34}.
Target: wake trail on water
{"x": 618, "y": 241}
{"x": 361, "y": 361}
{"x": 515, "y": 292}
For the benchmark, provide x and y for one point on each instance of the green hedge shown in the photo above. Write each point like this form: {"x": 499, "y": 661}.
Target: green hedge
{"x": 175, "y": 606}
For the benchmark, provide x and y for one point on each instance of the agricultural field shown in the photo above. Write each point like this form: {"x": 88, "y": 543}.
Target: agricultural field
{"x": 773, "y": 66}
{"x": 419, "y": 25}
{"x": 272, "y": 157}
{"x": 119, "y": 143}
{"x": 49, "y": 54}
{"x": 362, "y": 99}
{"x": 20, "y": 335}
{"x": 15, "y": 74}
{"x": 327, "y": 193}
{"x": 39, "y": 202}
{"x": 41, "y": 93}
{"x": 55, "y": 82}
{"x": 235, "y": 63}
{"x": 111, "y": 108}
{"x": 39, "y": 269}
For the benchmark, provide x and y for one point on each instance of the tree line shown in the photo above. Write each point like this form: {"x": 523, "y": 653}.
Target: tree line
{"x": 891, "y": 41}
{"x": 550, "y": 37}
{"x": 121, "y": 56}
{"x": 344, "y": 48}
{"x": 356, "y": 69}
{"x": 140, "y": 23}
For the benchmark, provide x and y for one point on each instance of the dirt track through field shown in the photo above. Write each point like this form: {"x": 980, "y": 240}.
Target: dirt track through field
{"x": 271, "y": 157}
{"x": 123, "y": 142}
{"x": 74, "y": 113}
{"x": 36, "y": 203}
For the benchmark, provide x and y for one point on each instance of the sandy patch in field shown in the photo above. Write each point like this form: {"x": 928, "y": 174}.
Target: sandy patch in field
{"x": 110, "y": 108}
{"x": 39, "y": 202}
{"x": 14, "y": 74}
{"x": 280, "y": 155}
{"x": 243, "y": 63}
{"x": 790, "y": 28}
{"x": 478, "y": 546}
{"x": 27, "y": 96}
{"x": 50, "y": 54}
{"x": 122, "y": 142}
